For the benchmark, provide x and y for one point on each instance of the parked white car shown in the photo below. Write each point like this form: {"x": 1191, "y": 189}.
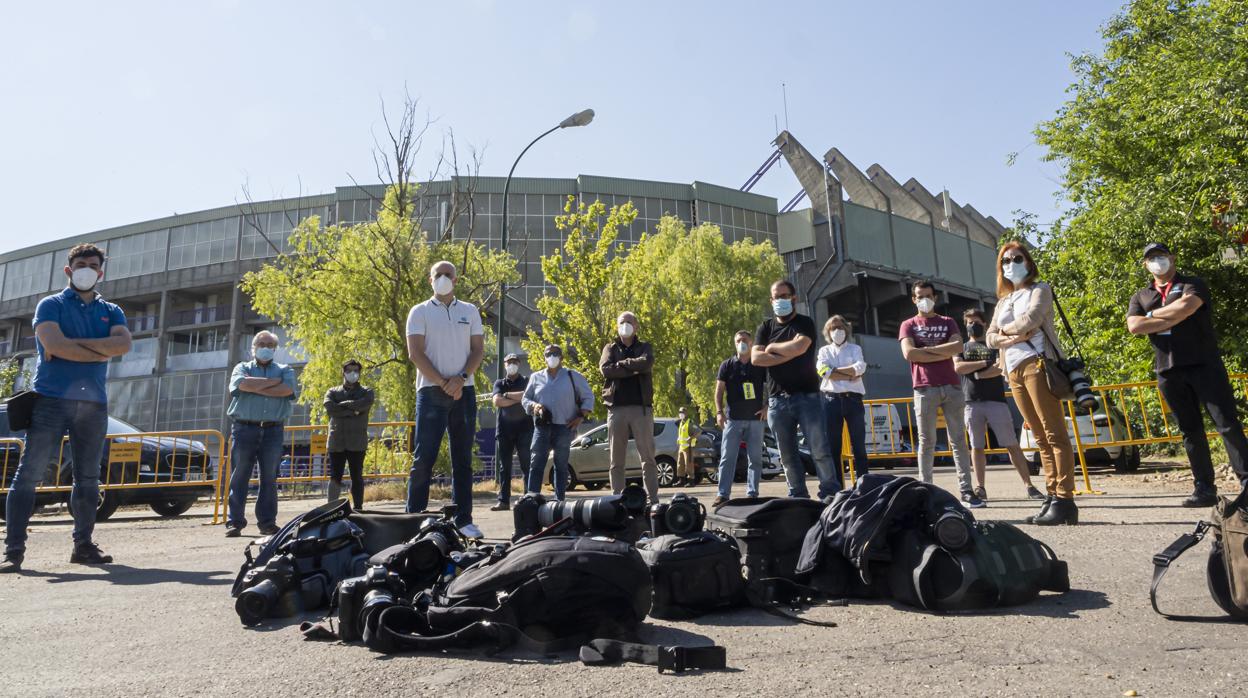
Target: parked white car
{"x": 1100, "y": 427}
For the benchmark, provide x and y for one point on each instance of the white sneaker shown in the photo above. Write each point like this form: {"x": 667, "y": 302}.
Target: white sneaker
{"x": 471, "y": 531}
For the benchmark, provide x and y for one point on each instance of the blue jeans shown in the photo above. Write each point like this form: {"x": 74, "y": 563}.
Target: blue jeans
{"x": 87, "y": 423}
{"x": 847, "y": 408}
{"x": 512, "y": 438}
{"x": 437, "y": 415}
{"x": 784, "y": 415}
{"x": 251, "y": 444}
{"x": 547, "y": 438}
{"x": 737, "y": 431}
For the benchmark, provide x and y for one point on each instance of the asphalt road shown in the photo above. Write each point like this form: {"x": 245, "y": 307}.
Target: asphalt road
{"x": 160, "y": 622}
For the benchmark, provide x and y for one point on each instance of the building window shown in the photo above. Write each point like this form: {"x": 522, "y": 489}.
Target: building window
{"x": 192, "y": 401}
{"x": 209, "y": 242}
{"x": 137, "y": 254}
{"x": 133, "y": 401}
{"x": 268, "y": 234}
{"x": 26, "y": 277}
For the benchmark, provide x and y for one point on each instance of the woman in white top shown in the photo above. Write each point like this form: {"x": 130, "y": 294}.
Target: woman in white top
{"x": 841, "y": 367}
{"x": 1022, "y": 328}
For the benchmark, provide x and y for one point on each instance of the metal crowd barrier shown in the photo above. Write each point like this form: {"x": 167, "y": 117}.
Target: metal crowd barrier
{"x": 167, "y": 469}
{"x": 1134, "y": 414}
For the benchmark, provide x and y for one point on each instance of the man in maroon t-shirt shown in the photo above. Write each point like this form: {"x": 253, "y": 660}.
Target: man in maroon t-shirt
{"x": 929, "y": 342}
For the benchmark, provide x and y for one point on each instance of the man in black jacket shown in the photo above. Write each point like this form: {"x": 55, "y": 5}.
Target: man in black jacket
{"x": 627, "y": 364}
{"x": 514, "y": 430}
{"x": 1176, "y": 312}
{"x": 348, "y": 406}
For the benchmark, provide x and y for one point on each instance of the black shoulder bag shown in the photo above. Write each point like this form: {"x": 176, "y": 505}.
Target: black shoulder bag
{"x": 21, "y": 409}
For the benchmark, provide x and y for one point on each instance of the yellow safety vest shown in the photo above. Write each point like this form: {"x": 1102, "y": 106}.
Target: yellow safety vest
{"x": 684, "y": 433}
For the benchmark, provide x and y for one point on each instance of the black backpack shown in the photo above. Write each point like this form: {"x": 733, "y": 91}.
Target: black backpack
{"x": 546, "y": 594}
{"x": 693, "y": 574}
{"x": 769, "y": 532}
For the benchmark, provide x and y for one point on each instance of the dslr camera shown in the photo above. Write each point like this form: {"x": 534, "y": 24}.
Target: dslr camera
{"x": 681, "y": 516}
{"x": 264, "y": 589}
{"x": 1080, "y": 385}
{"x": 368, "y": 595}
{"x": 612, "y": 514}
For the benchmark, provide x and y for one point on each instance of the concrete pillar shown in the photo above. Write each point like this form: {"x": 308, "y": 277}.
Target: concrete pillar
{"x": 860, "y": 189}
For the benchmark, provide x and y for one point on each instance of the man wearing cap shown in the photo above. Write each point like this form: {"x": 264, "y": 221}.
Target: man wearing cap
{"x": 514, "y": 430}
{"x": 1176, "y": 312}
{"x": 559, "y": 399}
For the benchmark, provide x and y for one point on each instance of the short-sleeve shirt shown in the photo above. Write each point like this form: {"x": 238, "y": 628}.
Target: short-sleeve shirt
{"x": 797, "y": 375}
{"x": 743, "y": 388}
{"x": 75, "y": 380}
{"x": 448, "y": 331}
{"x": 513, "y": 414}
{"x": 981, "y": 389}
{"x": 930, "y": 332}
{"x": 1192, "y": 342}
{"x": 252, "y": 407}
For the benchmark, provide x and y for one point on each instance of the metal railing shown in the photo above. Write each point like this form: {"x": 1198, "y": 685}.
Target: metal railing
{"x": 140, "y": 466}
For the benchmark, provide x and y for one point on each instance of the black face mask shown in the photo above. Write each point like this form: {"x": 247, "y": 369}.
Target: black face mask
{"x": 976, "y": 329}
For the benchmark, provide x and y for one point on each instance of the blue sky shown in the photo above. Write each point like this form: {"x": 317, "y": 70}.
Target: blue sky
{"x": 122, "y": 112}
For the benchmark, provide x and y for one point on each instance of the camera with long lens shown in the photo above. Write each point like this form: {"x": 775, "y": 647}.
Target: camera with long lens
{"x": 1080, "y": 385}
{"x": 951, "y": 529}
{"x": 613, "y": 513}
{"x": 425, "y": 557}
{"x": 681, "y": 516}
{"x": 265, "y": 589}
{"x": 366, "y": 595}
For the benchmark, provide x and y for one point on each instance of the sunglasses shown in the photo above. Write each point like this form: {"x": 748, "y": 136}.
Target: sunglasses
{"x": 1017, "y": 259}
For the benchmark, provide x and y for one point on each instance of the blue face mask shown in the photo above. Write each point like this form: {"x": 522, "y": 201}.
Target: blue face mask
{"x": 264, "y": 353}
{"x": 782, "y": 307}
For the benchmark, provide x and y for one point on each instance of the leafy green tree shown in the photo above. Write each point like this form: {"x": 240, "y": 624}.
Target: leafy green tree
{"x": 1154, "y": 135}
{"x": 345, "y": 291}
{"x": 690, "y": 290}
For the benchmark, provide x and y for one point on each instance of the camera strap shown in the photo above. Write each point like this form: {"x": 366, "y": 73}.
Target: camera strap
{"x": 675, "y": 658}
{"x": 1070, "y": 330}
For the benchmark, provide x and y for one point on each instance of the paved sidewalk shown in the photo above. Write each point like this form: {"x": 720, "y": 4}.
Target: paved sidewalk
{"x": 161, "y": 622}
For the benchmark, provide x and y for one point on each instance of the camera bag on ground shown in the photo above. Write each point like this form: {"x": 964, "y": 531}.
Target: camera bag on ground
{"x": 298, "y": 568}
{"x": 1226, "y": 570}
{"x": 546, "y": 594}
{"x": 694, "y": 574}
{"x": 914, "y": 542}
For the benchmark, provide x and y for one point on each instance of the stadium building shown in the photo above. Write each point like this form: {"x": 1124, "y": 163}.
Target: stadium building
{"x": 177, "y": 277}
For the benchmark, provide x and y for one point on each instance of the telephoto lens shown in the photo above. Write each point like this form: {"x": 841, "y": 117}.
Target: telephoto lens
{"x": 952, "y": 530}
{"x": 605, "y": 514}
{"x": 256, "y": 603}
{"x": 633, "y": 499}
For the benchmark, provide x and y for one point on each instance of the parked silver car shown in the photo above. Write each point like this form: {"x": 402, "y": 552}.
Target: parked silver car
{"x": 590, "y": 457}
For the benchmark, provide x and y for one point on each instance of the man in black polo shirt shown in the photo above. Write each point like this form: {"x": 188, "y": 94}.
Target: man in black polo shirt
{"x": 785, "y": 346}
{"x": 514, "y": 429}
{"x": 740, "y": 385}
{"x": 1176, "y": 312}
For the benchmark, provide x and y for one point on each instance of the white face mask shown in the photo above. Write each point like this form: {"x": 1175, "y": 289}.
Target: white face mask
{"x": 925, "y": 305}
{"x": 352, "y": 377}
{"x": 443, "y": 285}
{"x": 1158, "y": 266}
{"x": 626, "y": 329}
{"x": 838, "y": 336}
{"x": 743, "y": 347}
{"x": 1014, "y": 272}
{"x": 513, "y": 369}
{"x": 84, "y": 278}
{"x": 553, "y": 361}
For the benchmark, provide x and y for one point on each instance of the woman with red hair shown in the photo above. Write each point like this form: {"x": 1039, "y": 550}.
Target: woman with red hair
{"x": 1022, "y": 329}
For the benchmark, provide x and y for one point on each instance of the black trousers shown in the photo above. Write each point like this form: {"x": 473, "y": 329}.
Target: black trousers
{"x": 1187, "y": 389}
{"x": 512, "y": 440}
{"x": 338, "y": 459}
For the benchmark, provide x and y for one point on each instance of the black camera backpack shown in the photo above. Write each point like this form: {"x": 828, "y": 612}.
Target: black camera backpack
{"x": 694, "y": 574}
{"x": 769, "y": 532}
{"x": 545, "y": 594}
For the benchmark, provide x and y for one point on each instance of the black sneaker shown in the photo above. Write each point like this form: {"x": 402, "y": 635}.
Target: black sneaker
{"x": 1201, "y": 498}
{"x": 89, "y": 554}
{"x": 268, "y": 529}
{"x": 971, "y": 501}
{"x": 12, "y": 564}
{"x": 1034, "y": 493}
{"x": 233, "y": 530}
{"x": 981, "y": 493}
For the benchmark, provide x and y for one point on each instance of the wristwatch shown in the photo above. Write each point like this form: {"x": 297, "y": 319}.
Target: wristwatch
{"x": 464, "y": 376}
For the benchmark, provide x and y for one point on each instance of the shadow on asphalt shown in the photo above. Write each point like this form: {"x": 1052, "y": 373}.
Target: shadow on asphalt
{"x": 125, "y": 575}
{"x": 68, "y": 521}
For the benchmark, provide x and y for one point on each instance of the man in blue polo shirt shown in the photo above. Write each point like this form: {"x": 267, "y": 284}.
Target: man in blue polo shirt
{"x": 76, "y": 333}
{"x": 261, "y": 394}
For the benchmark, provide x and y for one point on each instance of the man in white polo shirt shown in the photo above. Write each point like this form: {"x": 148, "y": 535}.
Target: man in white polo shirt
{"x": 446, "y": 342}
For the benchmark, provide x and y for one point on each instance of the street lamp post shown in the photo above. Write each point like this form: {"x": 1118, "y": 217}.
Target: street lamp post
{"x": 581, "y": 118}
